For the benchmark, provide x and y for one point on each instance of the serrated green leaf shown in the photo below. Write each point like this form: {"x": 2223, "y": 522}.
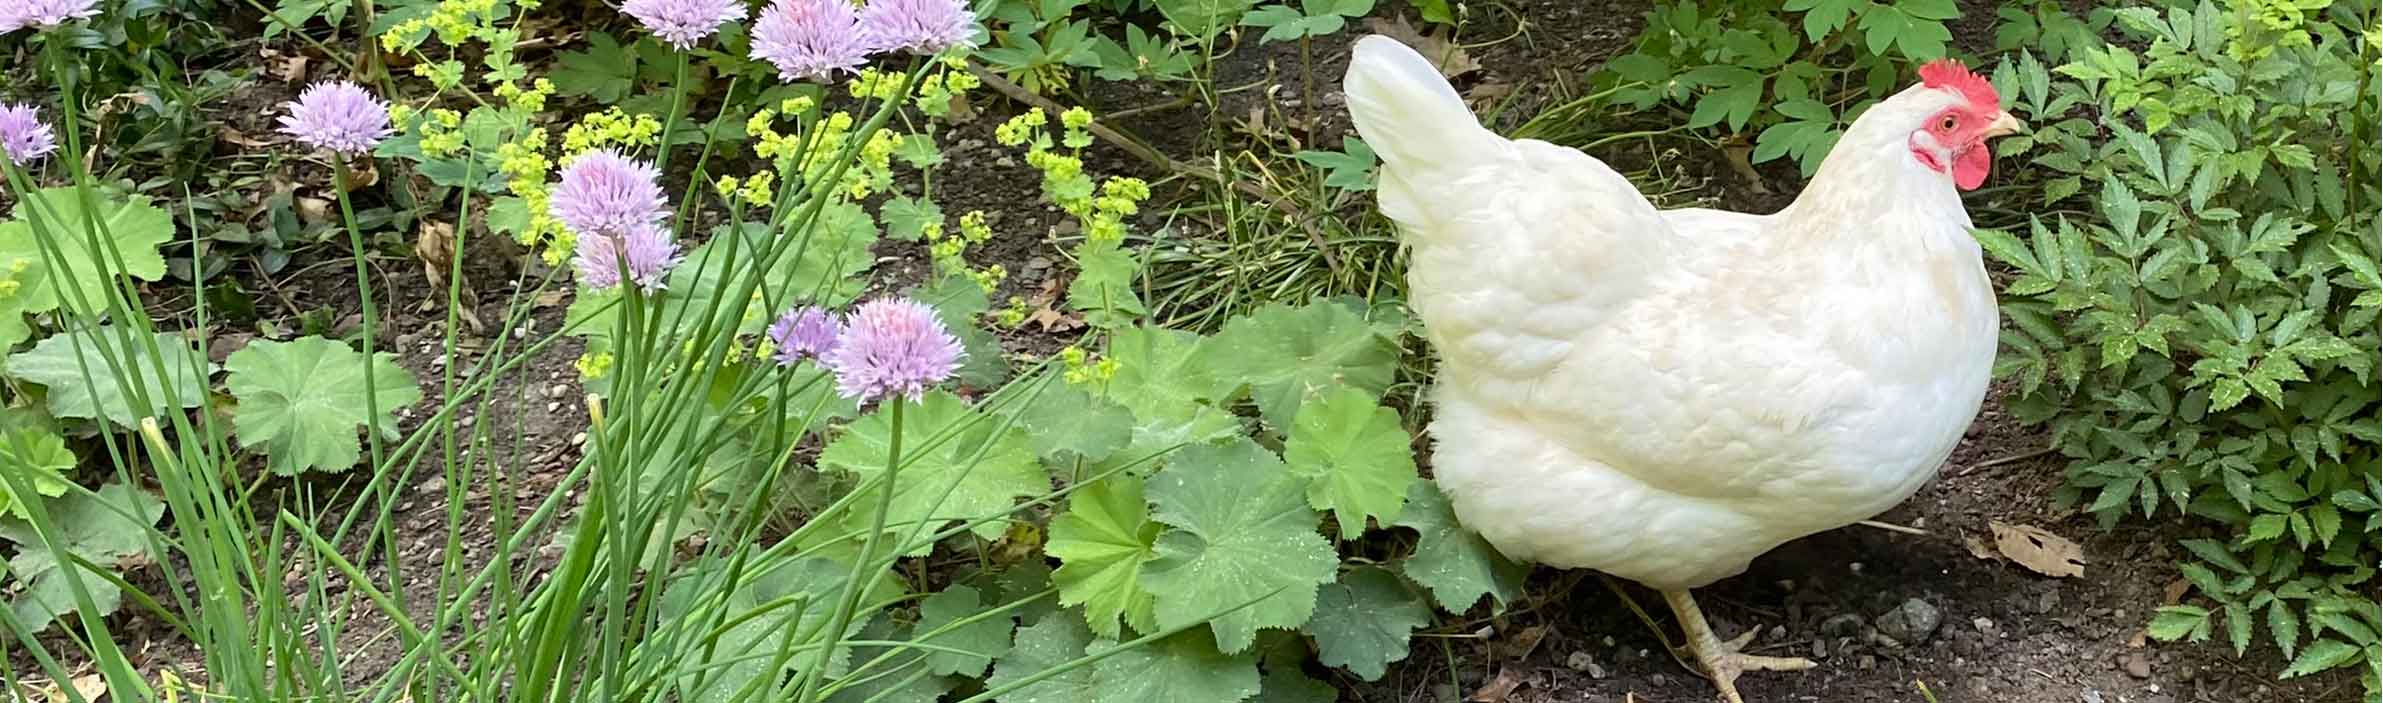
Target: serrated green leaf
{"x": 1291, "y": 355}
{"x": 907, "y": 218}
{"x": 1358, "y": 460}
{"x": 1104, "y": 287}
{"x": 2319, "y": 656}
{"x": 303, "y": 401}
{"x": 1243, "y": 533}
{"x": 132, "y": 227}
{"x": 1457, "y": 565}
{"x": 779, "y": 602}
{"x": 1066, "y": 424}
{"x": 1046, "y": 645}
{"x": 2283, "y": 627}
{"x": 1291, "y": 686}
{"x": 1362, "y": 622}
{"x": 982, "y": 641}
{"x": 102, "y": 527}
{"x": 38, "y": 459}
{"x": 1184, "y": 668}
{"x": 2176, "y": 622}
{"x": 59, "y": 361}
{"x": 1103, "y": 543}
{"x": 947, "y": 448}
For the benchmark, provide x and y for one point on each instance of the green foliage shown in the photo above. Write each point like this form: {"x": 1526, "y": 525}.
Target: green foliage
{"x": 105, "y": 528}
{"x": 2202, "y": 341}
{"x": 1785, "y": 80}
{"x": 1362, "y": 623}
{"x": 1291, "y": 355}
{"x": 302, "y": 401}
{"x": 1356, "y": 458}
{"x": 1311, "y": 18}
{"x": 37, "y": 459}
{"x": 1241, "y": 532}
{"x": 96, "y": 373}
{"x": 956, "y": 463}
{"x": 129, "y": 230}
{"x": 1103, "y": 543}
{"x": 1350, "y": 169}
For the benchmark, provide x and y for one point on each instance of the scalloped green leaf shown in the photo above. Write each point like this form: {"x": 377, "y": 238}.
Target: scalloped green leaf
{"x": 1184, "y": 668}
{"x": 1457, "y": 565}
{"x": 132, "y": 227}
{"x": 1362, "y": 622}
{"x": 58, "y": 363}
{"x": 947, "y": 447}
{"x": 1290, "y": 355}
{"x": 1103, "y": 542}
{"x": 1358, "y": 460}
{"x": 103, "y": 527}
{"x": 1243, "y": 533}
{"x": 303, "y": 401}
{"x": 38, "y": 459}
{"x": 1045, "y": 645}
{"x": 979, "y": 642}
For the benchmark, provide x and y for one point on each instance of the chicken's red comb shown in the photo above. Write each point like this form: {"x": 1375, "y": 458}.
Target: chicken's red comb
{"x": 1949, "y": 73}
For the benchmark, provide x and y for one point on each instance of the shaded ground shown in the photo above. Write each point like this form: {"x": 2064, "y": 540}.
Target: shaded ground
{"x": 2002, "y": 633}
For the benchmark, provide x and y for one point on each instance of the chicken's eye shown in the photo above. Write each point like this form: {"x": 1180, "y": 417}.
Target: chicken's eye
{"x": 1947, "y": 124}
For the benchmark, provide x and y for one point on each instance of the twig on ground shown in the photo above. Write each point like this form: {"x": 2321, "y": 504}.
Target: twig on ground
{"x": 1145, "y": 152}
{"x": 1892, "y": 527}
{"x": 2012, "y": 459}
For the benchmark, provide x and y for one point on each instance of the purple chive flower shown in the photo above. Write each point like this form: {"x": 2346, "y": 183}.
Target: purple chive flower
{"x": 641, "y": 254}
{"x": 684, "y": 22}
{"x": 43, "y": 14}
{"x": 604, "y": 192}
{"x": 807, "y": 332}
{"x": 917, "y": 26}
{"x": 810, "y": 39}
{"x": 338, "y": 116}
{"x": 890, "y": 347}
{"x": 23, "y": 137}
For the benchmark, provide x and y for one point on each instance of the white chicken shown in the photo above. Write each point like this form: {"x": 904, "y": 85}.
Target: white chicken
{"x": 1663, "y": 395}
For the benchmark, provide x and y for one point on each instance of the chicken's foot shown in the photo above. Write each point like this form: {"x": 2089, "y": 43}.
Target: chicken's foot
{"x": 1723, "y": 661}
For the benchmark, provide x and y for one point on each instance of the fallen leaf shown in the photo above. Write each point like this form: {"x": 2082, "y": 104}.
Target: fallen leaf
{"x": 2038, "y": 549}
{"x": 2174, "y": 593}
{"x": 1520, "y": 646}
{"x": 1443, "y": 54}
{"x": 92, "y": 687}
{"x": 1977, "y": 548}
{"x": 1498, "y": 689}
{"x": 434, "y": 244}
{"x": 550, "y": 298}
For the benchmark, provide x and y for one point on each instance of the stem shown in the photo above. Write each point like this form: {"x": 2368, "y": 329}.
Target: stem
{"x": 371, "y": 319}
{"x": 853, "y": 587}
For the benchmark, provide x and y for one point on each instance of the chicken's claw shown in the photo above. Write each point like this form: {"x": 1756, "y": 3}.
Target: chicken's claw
{"x": 1723, "y": 661}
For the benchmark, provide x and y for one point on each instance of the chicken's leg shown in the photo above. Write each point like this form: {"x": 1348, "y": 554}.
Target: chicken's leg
{"x": 1722, "y": 661}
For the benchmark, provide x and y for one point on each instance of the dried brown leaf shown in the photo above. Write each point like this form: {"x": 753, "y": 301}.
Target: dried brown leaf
{"x": 1443, "y": 54}
{"x": 2038, "y": 549}
{"x": 1498, "y": 689}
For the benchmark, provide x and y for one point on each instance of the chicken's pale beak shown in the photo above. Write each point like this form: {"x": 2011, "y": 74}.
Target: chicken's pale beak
{"x": 2004, "y": 125}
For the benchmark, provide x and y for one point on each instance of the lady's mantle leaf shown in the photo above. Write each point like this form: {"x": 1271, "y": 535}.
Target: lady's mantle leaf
{"x": 1102, "y": 543}
{"x": 1185, "y": 668}
{"x": 1457, "y": 565}
{"x": 1291, "y": 686}
{"x": 1292, "y": 354}
{"x": 946, "y": 447}
{"x": 103, "y": 527}
{"x": 1048, "y": 643}
{"x": 987, "y": 638}
{"x": 1065, "y": 423}
{"x": 1244, "y": 533}
{"x": 135, "y": 227}
{"x": 39, "y": 460}
{"x": 1362, "y": 623}
{"x": 796, "y": 597}
{"x": 302, "y": 401}
{"x": 1357, "y": 459}
{"x": 53, "y": 363}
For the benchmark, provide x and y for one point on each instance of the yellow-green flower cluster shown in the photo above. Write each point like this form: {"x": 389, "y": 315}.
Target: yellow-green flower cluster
{"x": 1012, "y": 314}
{"x": 594, "y": 365}
{"x": 950, "y": 252}
{"x": 442, "y": 135}
{"x": 935, "y": 91}
{"x": 611, "y": 128}
{"x": 1082, "y": 369}
{"x": 453, "y": 21}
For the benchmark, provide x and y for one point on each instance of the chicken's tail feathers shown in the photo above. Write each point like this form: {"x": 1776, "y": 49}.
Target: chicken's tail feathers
{"x": 1407, "y": 112}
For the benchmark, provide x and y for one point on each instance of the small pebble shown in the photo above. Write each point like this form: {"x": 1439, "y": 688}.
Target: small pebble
{"x": 2090, "y": 696}
{"x": 1913, "y": 622}
{"x": 2137, "y": 666}
{"x": 1983, "y": 625}
{"x": 1658, "y": 679}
